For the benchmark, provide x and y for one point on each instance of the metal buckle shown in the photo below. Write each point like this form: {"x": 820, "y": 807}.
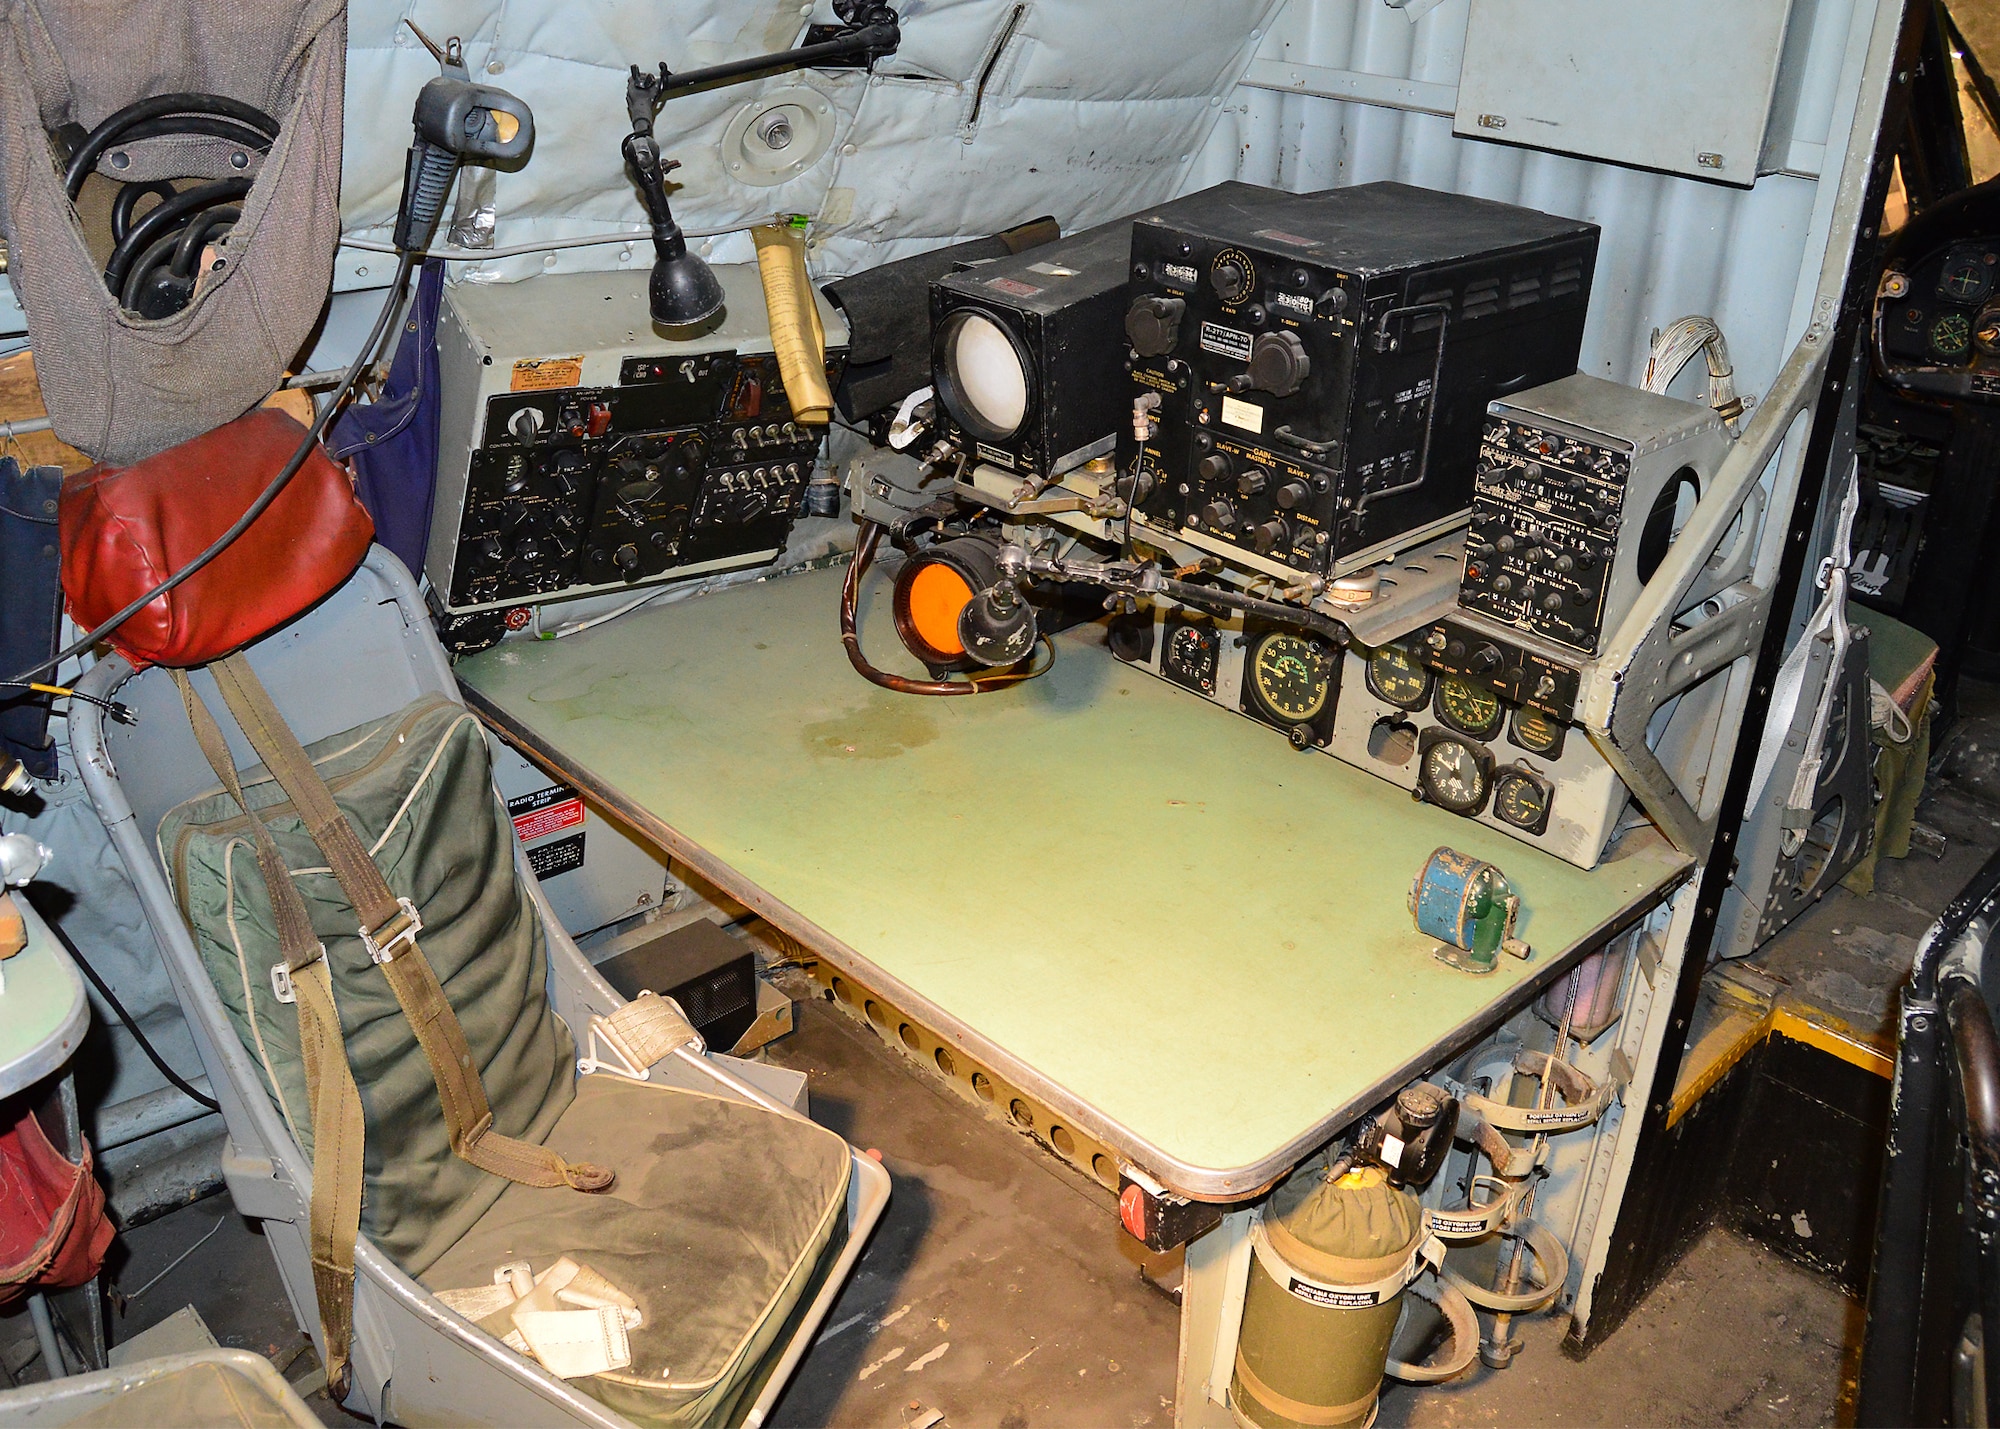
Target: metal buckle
{"x": 403, "y": 928}
{"x": 281, "y": 977}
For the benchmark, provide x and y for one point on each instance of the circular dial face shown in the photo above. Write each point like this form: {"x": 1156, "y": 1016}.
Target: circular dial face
{"x": 1293, "y": 676}
{"x": 1190, "y": 656}
{"x": 1399, "y": 678}
{"x": 1453, "y": 776}
{"x": 1521, "y": 800}
{"x": 1536, "y": 732}
{"x": 1967, "y": 277}
{"x": 1951, "y": 335}
{"x": 986, "y": 376}
{"x": 1467, "y": 708}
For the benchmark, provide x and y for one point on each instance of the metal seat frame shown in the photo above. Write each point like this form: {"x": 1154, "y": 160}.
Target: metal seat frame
{"x": 364, "y": 652}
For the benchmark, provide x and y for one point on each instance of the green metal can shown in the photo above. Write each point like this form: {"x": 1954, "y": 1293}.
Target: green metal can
{"x": 1304, "y": 1359}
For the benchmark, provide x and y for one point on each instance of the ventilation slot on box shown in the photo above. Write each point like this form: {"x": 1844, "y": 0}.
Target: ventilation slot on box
{"x": 1565, "y": 281}
{"x": 1524, "y": 290}
{"x": 1429, "y": 321}
{"x": 1482, "y": 300}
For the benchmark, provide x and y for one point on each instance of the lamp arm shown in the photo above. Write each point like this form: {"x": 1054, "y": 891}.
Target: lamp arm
{"x": 871, "y": 32}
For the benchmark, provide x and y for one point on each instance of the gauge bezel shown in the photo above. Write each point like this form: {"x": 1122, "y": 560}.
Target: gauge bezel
{"x": 1316, "y": 730}
{"x": 1517, "y": 774}
{"x": 1168, "y": 667}
{"x": 1319, "y": 648}
{"x": 1978, "y": 263}
{"x": 1554, "y": 749}
{"x": 1375, "y": 686}
{"x": 1451, "y": 722}
{"x": 1931, "y": 332}
{"x": 944, "y": 376}
{"x": 1482, "y": 759}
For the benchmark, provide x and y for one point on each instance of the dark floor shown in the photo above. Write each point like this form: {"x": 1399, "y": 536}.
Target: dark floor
{"x": 999, "y": 1291}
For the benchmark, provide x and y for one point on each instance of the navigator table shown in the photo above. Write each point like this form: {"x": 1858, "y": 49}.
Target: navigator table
{"x": 1185, "y": 940}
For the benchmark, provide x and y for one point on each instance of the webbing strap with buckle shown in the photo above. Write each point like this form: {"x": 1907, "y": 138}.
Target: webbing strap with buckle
{"x": 339, "y": 1128}
{"x": 390, "y": 927}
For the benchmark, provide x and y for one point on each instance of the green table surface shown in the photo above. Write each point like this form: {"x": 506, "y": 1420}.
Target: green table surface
{"x": 1186, "y": 935}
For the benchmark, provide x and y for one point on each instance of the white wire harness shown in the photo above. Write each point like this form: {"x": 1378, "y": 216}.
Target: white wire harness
{"x": 1676, "y": 345}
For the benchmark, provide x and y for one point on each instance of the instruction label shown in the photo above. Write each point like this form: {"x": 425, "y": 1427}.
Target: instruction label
{"x": 1012, "y": 286}
{"x": 1339, "y": 1299}
{"x": 544, "y": 374}
{"x": 549, "y": 859}
{"x": 544, "y": 812}
{"x": 1246, "y": 415}
{"x": 1225, "y": 341}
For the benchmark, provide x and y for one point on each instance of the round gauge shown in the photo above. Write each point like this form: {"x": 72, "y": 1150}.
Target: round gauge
{"x": 1467, "y": 708}
{"x": 982, "y": 375}
{"x": 1453, "y": 776}
{"x": 1190, "y": 657}
{"x": 1521, "y": 799}
{"x": 1536, "y": 732}
{"x": 1951, "y": 334}
{"x": 1292, "y": 675}
{"x": 1967, "y": 277}
{"x": 1397, "y": 677}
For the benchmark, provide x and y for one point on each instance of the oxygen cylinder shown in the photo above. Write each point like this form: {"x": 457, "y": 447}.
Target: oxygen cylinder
{"x": 1303, "y": 1362}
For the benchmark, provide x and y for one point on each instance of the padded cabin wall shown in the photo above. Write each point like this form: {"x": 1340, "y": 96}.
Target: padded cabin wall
{"x": 992, "y": 111}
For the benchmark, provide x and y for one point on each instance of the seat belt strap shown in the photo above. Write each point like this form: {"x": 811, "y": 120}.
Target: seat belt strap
{"x": 339, "y": 1129}
{"x": 389, "y": 927}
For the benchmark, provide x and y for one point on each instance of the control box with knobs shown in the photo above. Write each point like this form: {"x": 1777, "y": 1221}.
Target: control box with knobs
{"x": 1582, "y": 486}
{"x": 1321, "y": 363}
{"x": 582, "y": 451}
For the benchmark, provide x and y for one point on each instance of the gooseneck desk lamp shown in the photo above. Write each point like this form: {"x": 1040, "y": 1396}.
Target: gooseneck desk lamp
{"x": 683, "y": 291}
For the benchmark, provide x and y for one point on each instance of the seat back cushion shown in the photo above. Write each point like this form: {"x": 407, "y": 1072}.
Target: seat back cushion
{"x": 723, "y": 1222}
{"x": 417, "y": 786}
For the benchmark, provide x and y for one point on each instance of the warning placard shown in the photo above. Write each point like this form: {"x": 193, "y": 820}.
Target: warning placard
{"x": 544, "y": 812}
{"x": 543, "y": 374}
{"x": 558, "y": 857}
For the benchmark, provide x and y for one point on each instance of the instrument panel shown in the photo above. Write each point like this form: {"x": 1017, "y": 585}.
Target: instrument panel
{"x": 1941, "y": 311}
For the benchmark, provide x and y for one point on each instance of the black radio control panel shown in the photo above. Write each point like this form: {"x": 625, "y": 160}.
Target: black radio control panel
{"x": 1546, "y": 513}
{"x": 1517, "y": 674}
{"x": 688, "y": 460}
{"x": 1317, "y": 366}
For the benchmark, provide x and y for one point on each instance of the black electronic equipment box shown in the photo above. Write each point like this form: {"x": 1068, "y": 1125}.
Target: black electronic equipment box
{"x": 710, "y": 974}
{"x": 1317, "y": 366}
{"x": 1024, "y": 352}
{"x": 581, "y": 450}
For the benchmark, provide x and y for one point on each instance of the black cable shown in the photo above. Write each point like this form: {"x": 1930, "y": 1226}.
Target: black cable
{"x": 162, "y": 217}
{"x": 104, "y": 990}
{"x": 128, "y": 199}
{"x": 264, "y": 499}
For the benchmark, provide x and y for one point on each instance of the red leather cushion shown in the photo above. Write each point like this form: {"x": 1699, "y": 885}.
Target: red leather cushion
{"x": 124, "y": 530}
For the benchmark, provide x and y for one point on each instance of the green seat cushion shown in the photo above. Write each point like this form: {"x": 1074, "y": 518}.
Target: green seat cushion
{"x": 721, "y": 1223}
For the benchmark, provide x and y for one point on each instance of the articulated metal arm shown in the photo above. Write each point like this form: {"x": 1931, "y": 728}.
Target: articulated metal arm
{"x": 870, "y": 32}
{"x": 1653, "y": 655}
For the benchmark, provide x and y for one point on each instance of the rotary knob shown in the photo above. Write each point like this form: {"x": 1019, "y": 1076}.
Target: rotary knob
{"x": 1485, "y": 660}
{"x": 1219, "y": 514}
{"x": 1267, "y": 536}
{"x": 627, "y": 558}
{"x": 1153, "y": 325}
{"x": 1229, "y": 280}
{"x": 1213, "y": 467}
{"x": 1292, "y": 495}
{"x": 1250, "y": 483}
{"x": 1278, "y": 363}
